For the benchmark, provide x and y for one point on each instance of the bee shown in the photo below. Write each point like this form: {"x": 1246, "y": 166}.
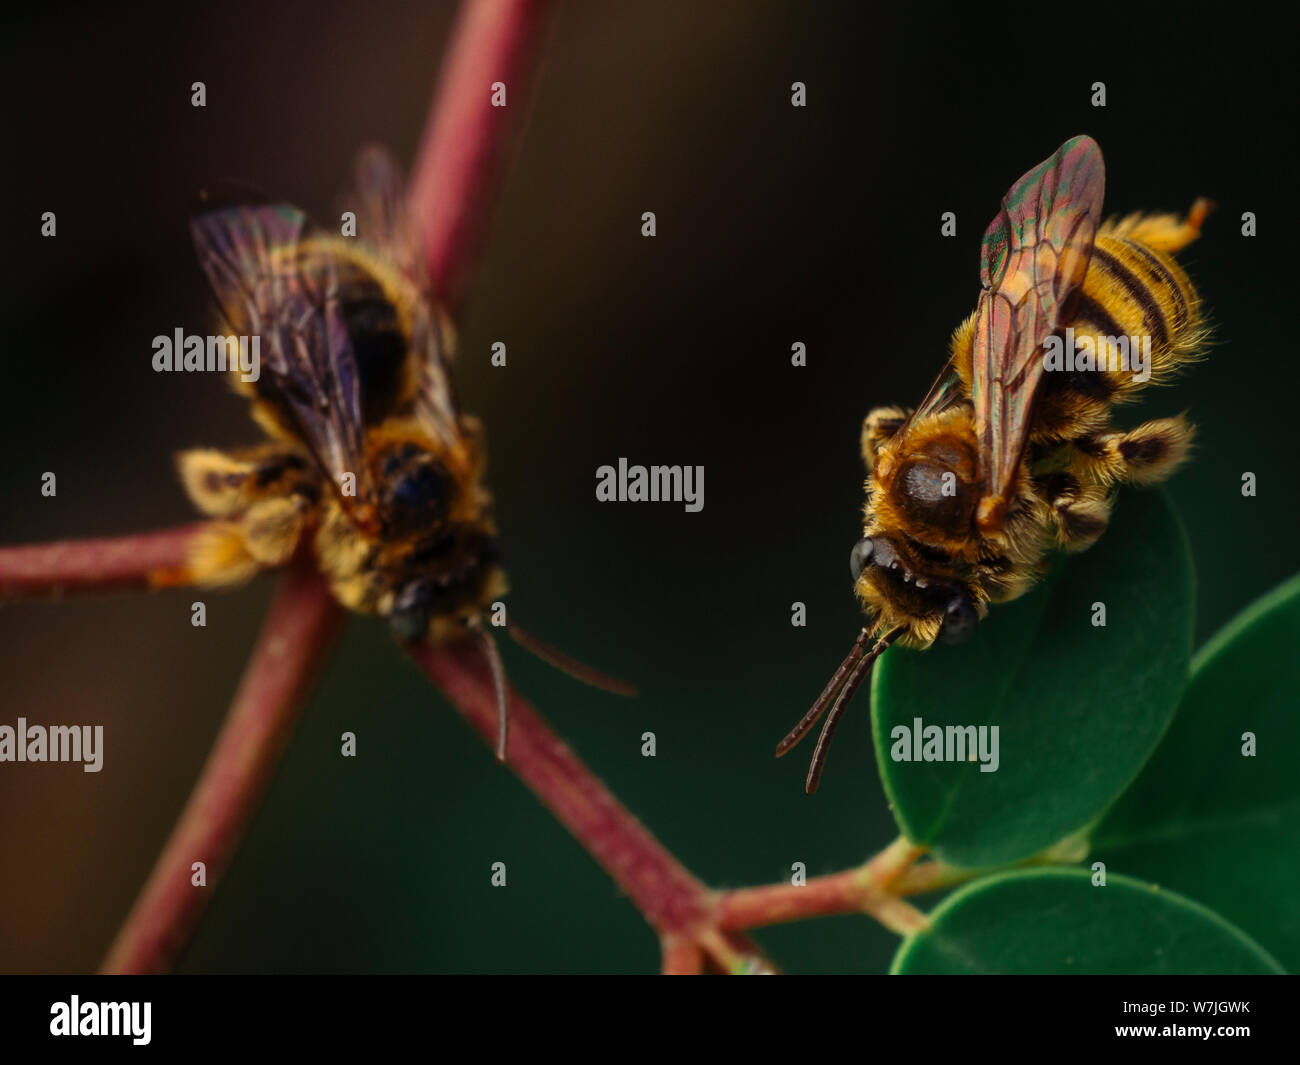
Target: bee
{"x": 369, "y": 463}
{"x": 1010, "y": 454}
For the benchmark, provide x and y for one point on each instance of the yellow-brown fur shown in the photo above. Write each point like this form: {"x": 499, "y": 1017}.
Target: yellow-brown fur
{"x": 1075, "y": 457}
{"x": 262, "y": 520}
{"x": 262, "y": 526}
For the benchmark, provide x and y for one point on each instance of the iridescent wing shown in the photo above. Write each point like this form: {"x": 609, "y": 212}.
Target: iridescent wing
{"x": 269, "y": 286}
{"x": 1034, "y": 258}
{"x": 379, "y": 200}
{"x": 946, "y": 390}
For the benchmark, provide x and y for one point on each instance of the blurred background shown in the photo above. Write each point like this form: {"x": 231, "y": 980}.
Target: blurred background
{"x": 775, "y": 225}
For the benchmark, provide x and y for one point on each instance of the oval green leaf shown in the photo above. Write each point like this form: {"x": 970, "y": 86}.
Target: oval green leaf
{"x": 1205, "y": 816}
{"x": 1055, "y": 921}
{"x": 1078, "y": 707}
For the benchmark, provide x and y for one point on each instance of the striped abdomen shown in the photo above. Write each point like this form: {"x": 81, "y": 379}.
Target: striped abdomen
{"x": 1132, "y": 291}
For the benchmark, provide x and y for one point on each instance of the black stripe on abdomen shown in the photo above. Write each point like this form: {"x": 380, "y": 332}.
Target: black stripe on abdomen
{"x": 1152, "y": 313}
{"x": 1098, "y": 319}
{"x": 1162, "y": 272}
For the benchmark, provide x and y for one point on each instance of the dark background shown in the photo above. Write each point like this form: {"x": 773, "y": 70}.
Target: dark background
{"x": 776, "y": 225}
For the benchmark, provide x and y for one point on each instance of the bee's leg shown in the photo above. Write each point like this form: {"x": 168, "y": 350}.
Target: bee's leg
{"x": 231, "y": 552}
{"x": 878, "y": 426}
{"x": 1079, "y": 511}
{"x": 217, "y": 555}
{"x": 1163, "y": 232}
{"x": 253, "y": 489}
{"x": 224, "y": 484}
{"x": 343, "y": 555}
{"x": 1145, "y": 455}
{"x": 272, "y": 529}
{"x": 216, "y": 482}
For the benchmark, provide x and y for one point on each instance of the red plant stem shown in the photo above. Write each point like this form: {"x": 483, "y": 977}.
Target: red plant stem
{"x": 669, "y": 897}
{"x": 295, "y": 640}
{"x": 681, "y": 956}
{"x": 457, "y": 170}
{"x": 463, "y": 148}
{"x": 84, "y": 566}
{"x": 822, "y": 896}
{"x": 867, "y": 889}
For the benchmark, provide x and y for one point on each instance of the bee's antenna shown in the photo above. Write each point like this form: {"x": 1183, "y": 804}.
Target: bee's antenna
{"x": 859, "y": 674}
{"x": 824, "y": 700}
{"x": 493, "y": 657}
{"x": 571, "y": 666}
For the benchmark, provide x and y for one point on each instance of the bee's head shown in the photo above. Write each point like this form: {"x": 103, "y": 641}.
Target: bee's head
{"x": 928, "y": 487}
{"x": 450, "y": 576}
{"x": 896, "y": 583}
{"x": 414, "y": 605}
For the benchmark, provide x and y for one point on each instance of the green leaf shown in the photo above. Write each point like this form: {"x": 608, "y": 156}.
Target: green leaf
{"x": 1078, "y": 707}
{"x": 1056, "y": 921}
{"x": 1203, "y": 818}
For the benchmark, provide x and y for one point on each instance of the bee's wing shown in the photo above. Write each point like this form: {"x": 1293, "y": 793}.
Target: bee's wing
{"x": 273, "y": 284}
{"x": 379, "y": 199}
{"x": 1034, "y": 258}
{"x": 946, "y": 390}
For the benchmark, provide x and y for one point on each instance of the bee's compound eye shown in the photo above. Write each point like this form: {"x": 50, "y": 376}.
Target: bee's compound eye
{"x": 860, "y": 556}
{"x": 408, "y": 625}
{"x": 958, "y": 621}
{"x": 421, "y": 491}
{"x": 409, "y": 617}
